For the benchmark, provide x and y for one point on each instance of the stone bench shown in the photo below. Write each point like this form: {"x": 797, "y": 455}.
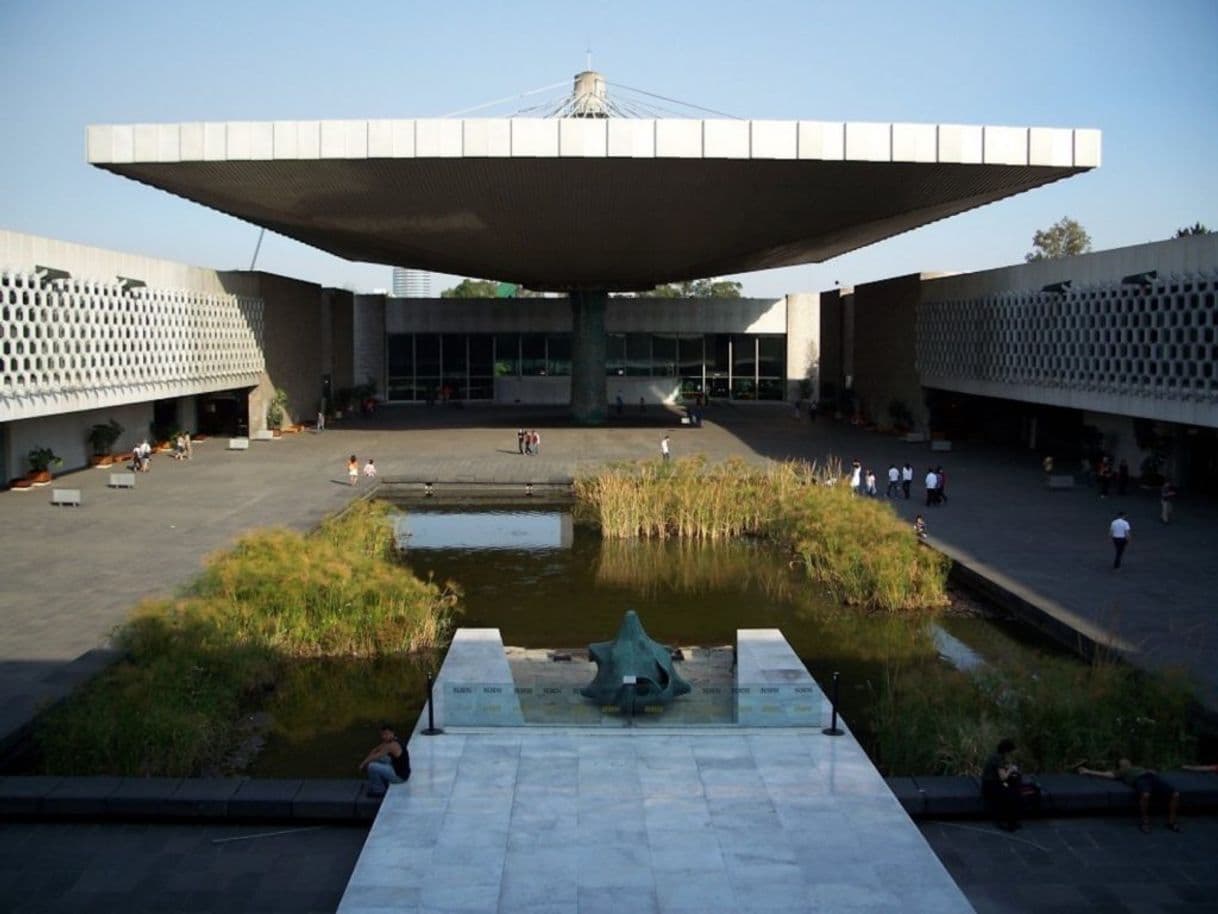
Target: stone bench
{"x": 264, "y": 435}
{"x": 1060, "y": 482}
{"x": 238, "y": 444}
{"x": 122, "y": 480}
{"x": 939, "y": 445}
{"x": 65, "y": 497}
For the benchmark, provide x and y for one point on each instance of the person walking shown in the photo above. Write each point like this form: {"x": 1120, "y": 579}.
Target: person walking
{"x": 940, "y": 486}
{"x": 352, "y": 470}
{"x": 907, "y": 472}
{"x": 665, "y": 450}
{"x": 871, "y": 488}
{"x": 932, "y": 486}
{"x": 536, "y": 442}
{"x": 321, "y": 421}
{"x": 370, "y": 469}
{"x": 894, "y": 481}
{"x": 520, "y": 440}
{"x": 856, "y": 477}
{"x": 1167, "y": 494}
{"x": 1120, "y": 531}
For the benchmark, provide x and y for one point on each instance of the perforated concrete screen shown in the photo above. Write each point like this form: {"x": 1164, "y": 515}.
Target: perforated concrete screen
{"x": 76, "y": 344}
{"x": 591, "y": 203}
{"x": 1158, "y": 341}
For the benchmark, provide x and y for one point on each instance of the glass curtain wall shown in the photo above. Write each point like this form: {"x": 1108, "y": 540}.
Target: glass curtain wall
{"x": 426, "y": 366}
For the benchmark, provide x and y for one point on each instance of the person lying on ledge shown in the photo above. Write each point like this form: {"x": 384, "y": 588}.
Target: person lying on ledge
{"x": 387, "y": 763}
{"x": 1147, "y": 783}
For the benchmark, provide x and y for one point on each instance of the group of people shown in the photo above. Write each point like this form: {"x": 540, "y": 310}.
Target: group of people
{"x": 353, "y": 470}
{"x": 1006, "y": 793}
{"x": 528, "y": 441}
{"x": 863, "y": 481}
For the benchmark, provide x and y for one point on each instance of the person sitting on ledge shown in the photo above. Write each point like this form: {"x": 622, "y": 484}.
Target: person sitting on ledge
{"x": 387, "y": 763}
{"x": 1000, "y": 786}
{"x": 1147, "y": 783}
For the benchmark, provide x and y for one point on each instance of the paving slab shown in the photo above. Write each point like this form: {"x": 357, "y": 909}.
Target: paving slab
{"x": 81, "y": 796}
{"x": 142, "y": 796}
{"x": 203, "y": 797}
{"x": 264, "y": 798}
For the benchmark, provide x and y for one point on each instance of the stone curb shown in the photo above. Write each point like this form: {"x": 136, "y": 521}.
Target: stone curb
{"x": 229, "y": 799}
{"x": 1061, "y": 794}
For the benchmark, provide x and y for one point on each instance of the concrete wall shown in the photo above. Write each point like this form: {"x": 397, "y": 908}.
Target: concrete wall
{"x": 65, "y": 435}
{"x": 369, "y": 334}
{"x": 340, "y": 305}
{"x": 803, "y": 329}
{"x": 884, "y": 363}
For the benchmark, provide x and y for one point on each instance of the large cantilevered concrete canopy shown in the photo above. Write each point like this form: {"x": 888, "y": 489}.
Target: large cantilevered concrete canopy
{"x": 590, "y": 204}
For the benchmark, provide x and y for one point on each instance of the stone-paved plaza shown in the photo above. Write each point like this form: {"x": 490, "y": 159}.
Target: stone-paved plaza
{"x": 69, "y": 575}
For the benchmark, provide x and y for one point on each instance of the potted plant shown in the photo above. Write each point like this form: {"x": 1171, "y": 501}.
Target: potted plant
{"x": 276, "y": 411}
{"x": 101, "y": 438}
{"x": 41, "y": 460}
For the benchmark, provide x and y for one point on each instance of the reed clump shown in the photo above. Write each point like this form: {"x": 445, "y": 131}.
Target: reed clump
{"x": 857, "y": 547}
{"x": 193, "y": 664}
{"x": 942, "y": 721}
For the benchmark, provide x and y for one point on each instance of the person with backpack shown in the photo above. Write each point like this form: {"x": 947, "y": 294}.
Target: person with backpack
{"x": 387, "y": 763}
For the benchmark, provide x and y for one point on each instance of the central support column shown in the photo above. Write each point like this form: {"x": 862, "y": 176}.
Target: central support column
{"x": 588, "y": 405}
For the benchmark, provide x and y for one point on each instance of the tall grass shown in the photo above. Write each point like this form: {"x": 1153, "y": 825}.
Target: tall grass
{"x": 856, "y": 547}
{"x": 194, "y": 663}
{"x": 935, "y": 720}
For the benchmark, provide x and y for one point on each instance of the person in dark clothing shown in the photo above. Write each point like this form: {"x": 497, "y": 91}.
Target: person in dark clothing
{"x": 1000, "y": 784}
{"x": 520, "y": 440}
{"x": 940, "y": 486}
{"x": 1148, "y": 784}
{"x": 387, "y": 763}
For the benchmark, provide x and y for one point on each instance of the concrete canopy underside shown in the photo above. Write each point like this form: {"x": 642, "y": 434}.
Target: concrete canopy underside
{"x": 718, "y": 198}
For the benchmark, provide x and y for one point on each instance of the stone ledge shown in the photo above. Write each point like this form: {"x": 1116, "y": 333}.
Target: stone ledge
{"x": 230, "y": 799}
{"x": 935, "y": 797}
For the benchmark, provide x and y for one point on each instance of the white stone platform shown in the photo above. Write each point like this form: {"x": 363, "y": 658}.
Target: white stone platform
{"x": 741, "y": 819}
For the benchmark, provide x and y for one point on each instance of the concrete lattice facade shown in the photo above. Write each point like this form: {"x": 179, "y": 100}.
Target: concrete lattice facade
{"x": 77, "y": 344}
{"x": 1145, "y": 348}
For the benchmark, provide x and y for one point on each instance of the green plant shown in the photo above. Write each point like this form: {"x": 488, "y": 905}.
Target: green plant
{"x": 194, "y": 664}
{"x": 101, "y": 437}
{"x": 278, "y": 408}
{"x": 42, "y": 459}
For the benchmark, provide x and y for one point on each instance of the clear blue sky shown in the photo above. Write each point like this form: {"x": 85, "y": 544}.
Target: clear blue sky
{"x": 1145, "y": 73}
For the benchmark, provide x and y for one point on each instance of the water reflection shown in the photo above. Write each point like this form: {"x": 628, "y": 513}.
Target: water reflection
{"x": 510, "y": 530}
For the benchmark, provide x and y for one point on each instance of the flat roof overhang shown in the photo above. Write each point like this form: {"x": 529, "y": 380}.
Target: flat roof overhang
{"x": 616, "y": 204}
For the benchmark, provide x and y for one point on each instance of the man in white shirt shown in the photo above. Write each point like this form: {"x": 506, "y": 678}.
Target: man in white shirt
{"x": 894, "y": 481}
{"x": 906, "y": 478}
{"x": 664, "y": 451}
{"x": 1119, "y": 529}
{"x": 932, "y": 483}
{"x": 856, "y": 477}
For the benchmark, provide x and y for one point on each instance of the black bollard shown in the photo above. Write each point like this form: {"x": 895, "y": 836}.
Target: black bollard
{"x": 833, "y": 729}
{"x": 432, "y": 729}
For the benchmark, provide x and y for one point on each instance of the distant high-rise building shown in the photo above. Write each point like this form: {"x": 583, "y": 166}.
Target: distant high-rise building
{"x": 411, "y": 283}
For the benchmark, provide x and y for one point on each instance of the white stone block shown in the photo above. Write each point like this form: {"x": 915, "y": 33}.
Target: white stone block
{"x": 262, "y": 140}
{"x": 122, "y": 143}
{"x": 403, "y": 139}
{"x": 491, "y": 138}
{"x": 308, "y": 139}
{"x": 960, "y": 144}
{"x": 586, "y": 137}
{"x": 868, "y": 142}
{"x": 723, "y": 139}
{"x": 1047, "y": 146}
{"x": 238, "y": 148}
{"x": 1087, "y": 148}
{"x": 168, "y": 143}
{"x": 145, "y": 142}
{"x": 773, "y": 139}
{"x": 679, "y": 139}
{"x": 437, "y": 138}
{"x": 333, "y": 140}
{"x": 99, "y": 143}
{"x": 632, "y": 138}
{"x": 534, "y": 137}
{"x": 1005, "y": 145}
{"x": 380, "y": 139}
{"x": 357, "y": 139}
{"x": 191, "y": 139}
{"x": 915, "y": 143}
{"x": 215, "y": 142}
{"x": 283, "y": 134}
{"x": 822, "y": 140}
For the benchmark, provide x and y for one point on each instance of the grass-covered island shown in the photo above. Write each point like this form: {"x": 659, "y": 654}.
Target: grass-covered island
{"x": 195, "y": 664}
